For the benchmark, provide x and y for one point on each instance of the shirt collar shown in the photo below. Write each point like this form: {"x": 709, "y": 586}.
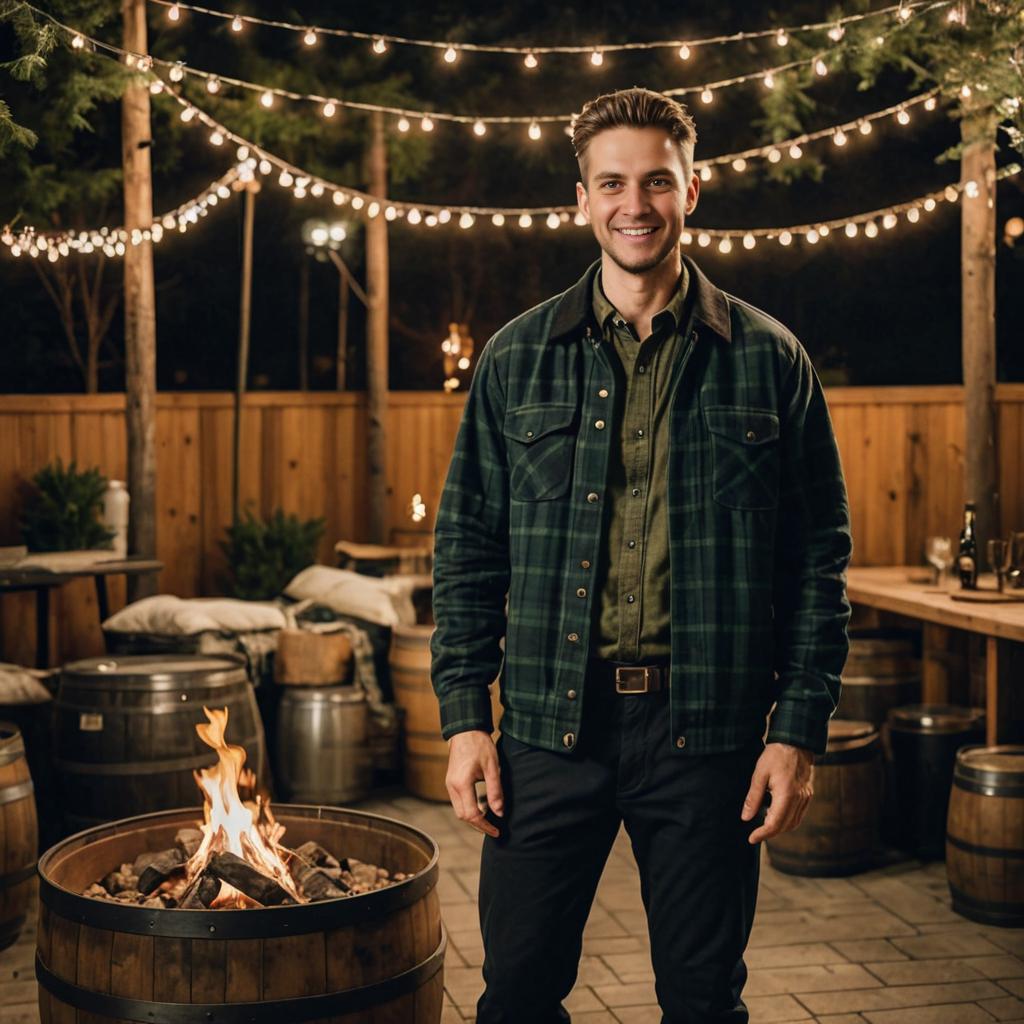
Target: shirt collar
{"x": 604, "y": 310}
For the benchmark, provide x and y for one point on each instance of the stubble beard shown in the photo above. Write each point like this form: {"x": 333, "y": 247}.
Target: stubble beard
{"x": 645, "y": 265}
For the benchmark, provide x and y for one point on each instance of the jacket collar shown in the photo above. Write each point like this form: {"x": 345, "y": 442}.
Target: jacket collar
{"x": 575, "y": 307}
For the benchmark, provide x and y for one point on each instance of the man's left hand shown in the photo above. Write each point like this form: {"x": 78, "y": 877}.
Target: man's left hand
{"x": 785, "y": 772}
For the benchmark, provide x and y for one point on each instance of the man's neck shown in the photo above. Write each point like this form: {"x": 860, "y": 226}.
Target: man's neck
{"x": 640, "y": 297}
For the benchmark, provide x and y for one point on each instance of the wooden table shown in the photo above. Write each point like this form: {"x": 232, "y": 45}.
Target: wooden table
{"x": 42, "y": 581}
{"x": 889, "y": 589}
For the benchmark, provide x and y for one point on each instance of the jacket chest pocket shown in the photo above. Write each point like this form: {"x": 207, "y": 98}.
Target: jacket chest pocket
{"x": 541, "y": 445}
{"x": 745, "y": 456}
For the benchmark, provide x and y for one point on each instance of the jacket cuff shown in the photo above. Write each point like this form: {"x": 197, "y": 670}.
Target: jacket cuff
{"x": 466, "y": 709}
{"x": 799, "y": 725}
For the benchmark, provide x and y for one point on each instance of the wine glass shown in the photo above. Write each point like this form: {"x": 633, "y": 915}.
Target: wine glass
{"x": 998, "y": 551}
{"x": 939, "y": 553}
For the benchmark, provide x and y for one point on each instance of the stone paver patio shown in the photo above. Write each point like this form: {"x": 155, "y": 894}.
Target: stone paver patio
{"x": 882, "y": 947}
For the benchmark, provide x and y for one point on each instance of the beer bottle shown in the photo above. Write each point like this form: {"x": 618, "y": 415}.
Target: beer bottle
{"x": 967, "y": 556}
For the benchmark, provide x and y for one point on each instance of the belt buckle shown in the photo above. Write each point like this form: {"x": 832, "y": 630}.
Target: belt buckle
{"x": 624, "y": 675}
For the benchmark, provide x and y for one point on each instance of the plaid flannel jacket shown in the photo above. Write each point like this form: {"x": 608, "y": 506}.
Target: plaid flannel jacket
{"x": 759, "y": 520}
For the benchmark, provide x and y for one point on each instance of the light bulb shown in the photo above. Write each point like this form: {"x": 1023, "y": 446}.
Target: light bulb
{"x": 187, "y": 114}
{"x": 902, "y": 116}
{"x": 530, "y": 60}
{"x": 904, "y": 13}
{"x": 403, "y": 124}
{"x": 466, "y": 220}
{"x": 971, "y": 189}
{"x": 889, "y": 221}
{"x": 703, "y": 239}
{"x": 929, "y": 204}
{"x": 534, "y": 131}
{"x": 795, "y": 151}
{"x": 156, "y": 86}
{"x": 427, "y": 125}
{"x": 812, "y": 236}
{"x": 836, "y": 32}
{"x": 265, "y": 166}
{"x": 338, "y": 198}
{"x": 705, "y": 173}
{"x": 951, "y": 194}
{"x": 839, "y": 138}
{"x": 498, "y": 219}
{"x": 769, "y": 80}
{"x": 749, "y": 241}
{"x": 444, "y": 216}
{"x": 553, "y": 220}
{"x": 597, "y": 58}
{"x": 684, "y": 52}
{"x": 267, "y": 99}
{"x": 379, "y": 46}
{"x": 739, "y": 164}
{"x": 823, "y": 230}
{"x": 864, "y": 127}
{"x": 820, "y": 68}
{"x": 786, "y": 238}
{"x": 77, "y": 43}
{"x": 579, "y": 220}
{"x": 525, "y": 220}
{"x": 774, "y": 156}
{"x": 451, "y": 55}
{"x": 871, "y": 229}
{"x": 479, "y": 128}
{"x": 236, "y": 24}
{"x": 390, "y": 213}
{"x": 316, "y": 189}
{"x": 174, "y": 13}
{"x": 309, "y": 38}
{"x": 851, "y": 230}
{"x": 725, "y": 245}
{"x": 285, "y": 179}
{"x": 913, "y": 215}
{"x": 213, "y": 85}
{"x": 358, "y": 202}
{"x": 414, "y": 216}
{"x": 216, "y": 138}
{"x": 781, "y": 38}
{"x": 930, "y": 103}
{"x": 177, "y": 72}
{"x": 965, "y": 91}
{"x": 707, "y": 95}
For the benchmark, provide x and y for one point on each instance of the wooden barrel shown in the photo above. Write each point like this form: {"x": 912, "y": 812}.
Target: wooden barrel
{"x": 839, "y": 832}
{"x": 923, "y": 741}
{"x": 882, "y": 672}
{"x": 18, "y": 835}
{"x": 426, "y": 753}
{"x": 372, "y": 957}
{"x": 323, "y": 751}
{"x": 985, "y": 835}
{"x": 125, "y": 731}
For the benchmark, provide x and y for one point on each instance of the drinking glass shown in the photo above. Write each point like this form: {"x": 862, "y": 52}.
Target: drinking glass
{"x": 998, "y": 559}
{"x": 939, "y": 553}
{"x": 1016, "y": 573}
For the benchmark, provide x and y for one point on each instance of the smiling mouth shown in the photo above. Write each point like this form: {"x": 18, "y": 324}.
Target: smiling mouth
{"x": 636, "y": 232}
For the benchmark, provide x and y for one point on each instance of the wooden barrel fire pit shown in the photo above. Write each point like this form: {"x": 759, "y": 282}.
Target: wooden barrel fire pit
{"x": 377, "y": 955}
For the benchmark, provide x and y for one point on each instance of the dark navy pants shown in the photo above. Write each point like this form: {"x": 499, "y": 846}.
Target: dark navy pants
{"x": 698, "y": 873}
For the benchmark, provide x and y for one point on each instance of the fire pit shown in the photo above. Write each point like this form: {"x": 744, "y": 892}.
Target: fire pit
{"x": 228, "y": 958}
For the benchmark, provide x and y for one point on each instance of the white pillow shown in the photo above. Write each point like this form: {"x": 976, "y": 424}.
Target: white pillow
{"x": 387, "y": 601}
{"x": 167, "y": 615}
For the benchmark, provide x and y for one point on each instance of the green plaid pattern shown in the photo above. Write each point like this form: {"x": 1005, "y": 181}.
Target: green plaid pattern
{"x": 758, "y": 519}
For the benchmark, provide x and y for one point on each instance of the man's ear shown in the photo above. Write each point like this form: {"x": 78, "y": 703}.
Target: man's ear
{"x": 583, "y": 200}
{"x": 692, "y": 194}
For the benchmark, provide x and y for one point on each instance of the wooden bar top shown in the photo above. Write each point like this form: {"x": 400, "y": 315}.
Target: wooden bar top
{"x": 890, "y": 589}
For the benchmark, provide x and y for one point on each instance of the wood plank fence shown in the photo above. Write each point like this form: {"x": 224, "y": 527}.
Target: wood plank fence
{"x": 304, "y": 452}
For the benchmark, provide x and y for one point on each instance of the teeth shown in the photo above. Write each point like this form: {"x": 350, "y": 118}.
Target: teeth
{"x": 636, "y": 231}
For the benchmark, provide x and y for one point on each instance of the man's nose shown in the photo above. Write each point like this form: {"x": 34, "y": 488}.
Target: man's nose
{"x": 634, "y": 200}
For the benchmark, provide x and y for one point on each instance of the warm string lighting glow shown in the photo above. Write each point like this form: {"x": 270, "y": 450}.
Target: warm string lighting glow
{"x": 379, "y": 41}
{"x": 114, "y": 241}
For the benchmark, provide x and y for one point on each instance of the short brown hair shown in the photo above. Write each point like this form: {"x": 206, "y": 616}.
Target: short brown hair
{"x": 634, "y": 108}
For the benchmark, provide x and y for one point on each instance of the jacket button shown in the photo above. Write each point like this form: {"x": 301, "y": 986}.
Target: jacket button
{"x": 751, "y": 436}
{"x": 571, "y": 695}
{"x": 529, "y": 433}
{"x": 599, "y": 424}
{"x": 585, "y": 564}
{"x": 636, "y": 492}
{"x": 581, "y": 592}
{"x": 593, "y": 497}
{"x": 603, "y": 393}
{"x": 568, "y": 739}
{"x": 641, "y": 368}
{"x": 573, "y": 637}
{"x": 680, "y": 742}
{"x": 630, "y": 598}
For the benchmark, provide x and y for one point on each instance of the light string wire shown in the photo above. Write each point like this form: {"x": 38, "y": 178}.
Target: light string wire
{"x": 177, "y": 70}
{"x": 113, "y": 241}
{"x": 902, "y": 11}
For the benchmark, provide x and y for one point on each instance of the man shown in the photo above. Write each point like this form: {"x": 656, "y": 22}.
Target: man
{"x": 647, "y": 470}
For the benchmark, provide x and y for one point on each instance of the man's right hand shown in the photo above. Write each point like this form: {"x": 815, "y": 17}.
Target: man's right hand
{"x": 472, "y": 756}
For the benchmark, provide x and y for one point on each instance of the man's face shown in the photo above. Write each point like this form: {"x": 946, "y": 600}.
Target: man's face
{"x": 637, "y": 195}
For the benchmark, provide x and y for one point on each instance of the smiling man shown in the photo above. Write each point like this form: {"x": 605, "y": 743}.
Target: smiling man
{"x": 646, "y": 505}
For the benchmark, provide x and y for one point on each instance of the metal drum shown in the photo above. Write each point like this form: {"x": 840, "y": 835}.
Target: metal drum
{"x": 125, "y": 731}
{"x": 323, "y": 750}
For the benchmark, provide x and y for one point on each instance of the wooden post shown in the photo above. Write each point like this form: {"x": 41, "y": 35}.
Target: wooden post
{"x": 342, "y": 332}
{"x": 244, "y": 319}
{"x": 139, "y": 308}
{"x": 304, "y": 323}
{"x": 978, "y": 255}
{"x": 377, "y": 340}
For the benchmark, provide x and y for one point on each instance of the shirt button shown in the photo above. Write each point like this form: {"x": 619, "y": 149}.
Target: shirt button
{"x": 573, "y": 637}
{"x": 529, "y": 433}
{"x": 603, "y": 393}
{"x": 639, "y": 433}
{"x": 585, "y": 564}
{"x": 631, "y": 544}
{"x": 568, "y": 739}
{"x": 636, "y": 492}
{"x": 630, "y": 598}
{"x": 680, "y": 742}
{"x": 751, "y": 436}
{"x": 593, "y": 497}
{"x": 581, "y": 592}
{"x": 641, "y": 368}
{"x": 571, "y": 695}
{"x": 599, "y": 424}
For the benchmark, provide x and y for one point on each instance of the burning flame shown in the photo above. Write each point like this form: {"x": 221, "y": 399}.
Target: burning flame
{"x": 244, "y": 828}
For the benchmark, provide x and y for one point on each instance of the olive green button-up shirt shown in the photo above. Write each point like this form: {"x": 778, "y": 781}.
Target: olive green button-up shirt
{"x": 632, "y": 618}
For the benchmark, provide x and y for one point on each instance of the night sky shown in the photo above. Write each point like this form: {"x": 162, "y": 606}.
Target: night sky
{"x": 882, "y": 311}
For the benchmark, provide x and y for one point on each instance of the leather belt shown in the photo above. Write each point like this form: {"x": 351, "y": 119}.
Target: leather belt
{"x": 634, "y": 679}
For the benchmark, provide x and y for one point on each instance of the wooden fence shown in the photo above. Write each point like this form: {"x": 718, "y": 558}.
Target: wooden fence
{"x": 902, "y": 451}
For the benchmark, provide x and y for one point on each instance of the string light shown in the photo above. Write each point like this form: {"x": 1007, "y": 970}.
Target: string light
{"x": 820, "y": 68}
{"x": 530, "y": 61}
{"x": 236, "y": 24}
{"x": 903, "y": 117}
{"x": 403, "y": 124}
{"x": 213, "y": 85}
{"x": 534, "y": 131}
{"x": 451, "y": 55}
{"x": 479, "y": 128}
{"x": 684, "y": 52}
{"x": 769, "y": 80}
{"x": 707, "y": 96}
{"x": 427, "y": 125}
{"x": 176, "y": 72}
{"x": 328, "y": 109}
{"x": 77, "y": 42}
{"x": 267, "y": 98}
{"x": 839, "y": 138}
{"x": 597, "y": 58}
{"x": 310, "y": 37}
{"x": 835, "y": 29}
{"x": 553, "y": 220}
